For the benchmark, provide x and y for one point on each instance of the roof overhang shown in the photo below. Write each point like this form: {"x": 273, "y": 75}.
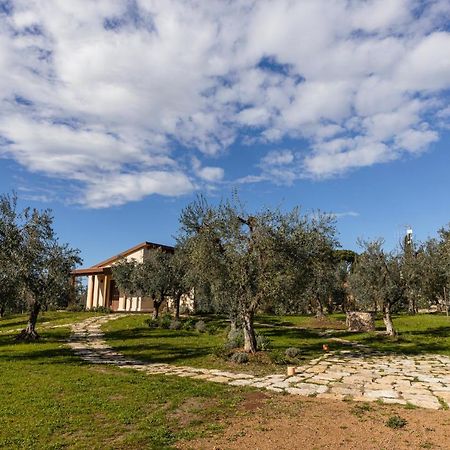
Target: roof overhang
{"x": 91, "y": 271}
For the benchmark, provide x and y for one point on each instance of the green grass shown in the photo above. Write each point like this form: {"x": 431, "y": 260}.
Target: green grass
{"x": 419, "y": 334}
{"x": 131, "y": 335}
{"x": 19, "y": 321}
{"x": 50, "y": 399}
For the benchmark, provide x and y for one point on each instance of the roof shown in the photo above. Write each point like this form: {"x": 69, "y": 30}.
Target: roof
{"x": 100, "y": 267}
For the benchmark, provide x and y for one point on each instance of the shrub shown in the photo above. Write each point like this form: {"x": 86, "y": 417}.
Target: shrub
{"x": 292, "y": 352}
{"x": 175, "y": 324}
{"x": 76, "y": 307}
{"x": 235, "y": 339}
{"x": 102, "y": 309}
{"x": 165, "y": 321}
{"x": 396, "y": 422}
{"x": 200, "y": 326}
{"x": 189, "y": 323}
{"x": 239, "y": 358}
{"x": 263, "y": 342}
{"x": 278, "y": 357}
{"x": 152, "y": 323}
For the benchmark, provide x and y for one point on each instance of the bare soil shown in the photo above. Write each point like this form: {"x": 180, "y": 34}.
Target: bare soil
{"x": 274, "y": 421}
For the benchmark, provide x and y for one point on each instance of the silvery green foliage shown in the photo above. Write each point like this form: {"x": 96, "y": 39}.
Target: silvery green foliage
{"x": 246, "y": 261}
{"x": 11, "y": 280}
{"x": 200, "y": 326}
{"x": 263, "y": 342}
{"x": 376, "y": 281}
{"x": 240, "y": 358}
{"x": 292, "y": 352}
{"x": 34, "y": 266}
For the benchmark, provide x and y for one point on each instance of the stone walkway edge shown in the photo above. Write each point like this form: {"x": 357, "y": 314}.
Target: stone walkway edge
{"x": 356, "y": 374}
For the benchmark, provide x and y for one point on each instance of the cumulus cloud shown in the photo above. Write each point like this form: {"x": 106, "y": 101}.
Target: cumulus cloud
{"x": 107, "y": 93}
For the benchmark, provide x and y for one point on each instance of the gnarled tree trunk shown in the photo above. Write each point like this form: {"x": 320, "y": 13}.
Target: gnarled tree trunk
{"x": 177, "y": 305}
{"x": 156, "y": 304}
{"x": 319, "y": 309}
{"x": 250, "y": 344}
{"x": 29, "y": 333}
{"x": 387, "y": 319}
{"x": 2, "y": 311}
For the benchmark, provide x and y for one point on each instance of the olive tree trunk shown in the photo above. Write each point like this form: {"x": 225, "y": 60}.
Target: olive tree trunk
{"x": 177, "y": 305}
{"x": 387, "y": 319}
{"x": 250, "y": 344}
{"x": 319, "y": 309}
{"x": 29, "y": 333}
{"x": 156, "y": 304}
{"x": 2, "y": 311}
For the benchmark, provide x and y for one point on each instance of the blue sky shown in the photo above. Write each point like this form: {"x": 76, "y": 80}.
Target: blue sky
{"x": 116, "y": 114}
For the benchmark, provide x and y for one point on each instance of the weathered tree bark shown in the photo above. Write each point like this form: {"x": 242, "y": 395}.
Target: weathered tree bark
{"x": 177, "y": 305}
{"x": 29, "y": 333}
{"x": 250, "y": 344}
{"x": 319, "y": 309}
{"x": 2, "y": 311}
{"x": 387, "y": 319}
{"x": 412, "y": 309}
{"x": 156, "y": 304}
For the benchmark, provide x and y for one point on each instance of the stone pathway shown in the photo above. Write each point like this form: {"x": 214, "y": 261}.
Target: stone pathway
{"x": 358, "y": 373}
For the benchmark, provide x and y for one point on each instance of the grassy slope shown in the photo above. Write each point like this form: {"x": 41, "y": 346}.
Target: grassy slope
{"x": 130, "y": 335}
{"x": 50, "y": 399}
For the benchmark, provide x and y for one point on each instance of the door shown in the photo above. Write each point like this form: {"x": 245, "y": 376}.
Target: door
{"x": 114, "y": 296}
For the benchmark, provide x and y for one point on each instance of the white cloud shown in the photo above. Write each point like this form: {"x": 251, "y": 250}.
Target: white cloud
{"x": 210, "y": 174}
{"x": 110, "y": 90}
{"x": 124, "y": 187}
{"x": 340, "y": 215}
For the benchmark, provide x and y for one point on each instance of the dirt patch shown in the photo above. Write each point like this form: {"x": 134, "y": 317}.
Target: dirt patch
{"x": 188, "y": 411}
{"x": 286, "y": 422}
{"x": 254, "y": 400}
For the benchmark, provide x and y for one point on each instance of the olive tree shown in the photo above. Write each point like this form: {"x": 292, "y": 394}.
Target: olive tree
{"x": 46, "y": 267}
{"x": 376, "y": 281}
{"x": 10, "y": 253}
{"x": 249, "y": 259}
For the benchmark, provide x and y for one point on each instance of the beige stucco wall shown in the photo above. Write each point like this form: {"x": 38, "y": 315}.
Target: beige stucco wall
{"x": 98, "y": 292}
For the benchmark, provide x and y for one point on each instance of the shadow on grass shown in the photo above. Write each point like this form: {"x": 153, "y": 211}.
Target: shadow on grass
{"x": 13, "y": 324}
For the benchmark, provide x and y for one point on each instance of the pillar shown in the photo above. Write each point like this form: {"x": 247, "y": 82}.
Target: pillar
{"x": 90, "y": 292}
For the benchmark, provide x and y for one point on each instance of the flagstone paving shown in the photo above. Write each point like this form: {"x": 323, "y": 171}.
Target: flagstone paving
{"x": 358, "y": 374}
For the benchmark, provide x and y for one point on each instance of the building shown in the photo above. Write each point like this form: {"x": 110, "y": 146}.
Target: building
{"x": 102, "y": 291}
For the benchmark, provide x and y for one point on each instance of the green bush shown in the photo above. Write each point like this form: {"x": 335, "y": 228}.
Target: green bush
{"x": 189, "y": 323}
{"x": 239, "y": 358}
{"x": 396, "y": 422}
{"x": 292, "y": 352}
{"x": 165, "y": 321}
{"x": 263, "y": 342}
{"x": 200, "y": 326}
{"x": 278, "y": 357}
{"x": 102, "y": 309}
{"x": 152, "y": 323}
{"x": 235, "y": 339}
{"x": 76, "y": 307}
{"x": 175, "y": 324}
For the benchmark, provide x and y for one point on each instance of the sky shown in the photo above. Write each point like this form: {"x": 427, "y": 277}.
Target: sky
{"x": 117, "y": 113}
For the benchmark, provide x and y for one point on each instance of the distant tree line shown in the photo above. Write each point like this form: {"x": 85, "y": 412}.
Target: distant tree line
{"x": 238, "y": 263}
{"x": 241, "y": 263}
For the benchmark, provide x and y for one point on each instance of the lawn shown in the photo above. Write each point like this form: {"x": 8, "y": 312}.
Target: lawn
{"x": 132, "y": 336}
{"x": 50, "y": 399}
{"x": 422, "y": 333}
